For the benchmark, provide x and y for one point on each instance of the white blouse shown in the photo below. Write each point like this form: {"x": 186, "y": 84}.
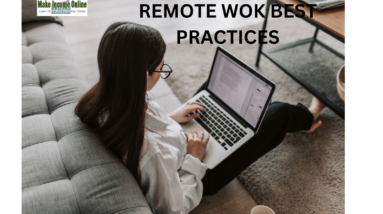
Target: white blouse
{"x": 170, "y": 178}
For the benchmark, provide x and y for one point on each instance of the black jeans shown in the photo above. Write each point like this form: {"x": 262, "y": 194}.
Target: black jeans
{"x": 279, "y": 119}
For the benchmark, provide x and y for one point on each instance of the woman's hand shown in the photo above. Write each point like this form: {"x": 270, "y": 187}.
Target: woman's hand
{"x": 196, "y": 146}
{"x": 182, "y": 115}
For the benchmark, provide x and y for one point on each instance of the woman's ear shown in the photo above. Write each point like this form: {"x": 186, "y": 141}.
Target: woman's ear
{"x": 149, "y": 74}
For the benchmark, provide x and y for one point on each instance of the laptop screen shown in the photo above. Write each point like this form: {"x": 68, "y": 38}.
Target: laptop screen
{"x": 242, "y": 91}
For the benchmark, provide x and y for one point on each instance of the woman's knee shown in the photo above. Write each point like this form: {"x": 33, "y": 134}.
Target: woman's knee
{"x": 281, "y": 108}
{"x": 297, "y": 116}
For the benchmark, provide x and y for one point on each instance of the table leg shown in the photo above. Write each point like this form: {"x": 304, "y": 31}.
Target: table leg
{"x": 315, "y": 38}
{"x": 269, "y": 2}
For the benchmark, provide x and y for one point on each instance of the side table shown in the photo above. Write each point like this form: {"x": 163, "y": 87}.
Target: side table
{"x": 330, "y": 21}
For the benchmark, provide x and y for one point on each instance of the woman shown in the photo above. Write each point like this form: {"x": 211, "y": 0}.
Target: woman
{"x": 165, "y": 161}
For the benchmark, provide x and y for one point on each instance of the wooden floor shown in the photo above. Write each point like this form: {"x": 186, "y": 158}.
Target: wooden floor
{"x": 83, "y": 35}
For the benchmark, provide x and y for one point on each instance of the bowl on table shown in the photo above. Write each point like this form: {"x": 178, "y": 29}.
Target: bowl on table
{"x": 340, "y": 82}
{"x": 262, "y": 209}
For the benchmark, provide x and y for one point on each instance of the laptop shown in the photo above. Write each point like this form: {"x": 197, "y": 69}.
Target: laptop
{"x": 236, "y": 99}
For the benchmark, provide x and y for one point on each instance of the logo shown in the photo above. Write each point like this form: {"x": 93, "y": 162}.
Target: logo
{"x": 62, "y": 7}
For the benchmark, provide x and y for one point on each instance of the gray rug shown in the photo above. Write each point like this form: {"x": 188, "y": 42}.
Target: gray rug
{"x": 305, "y": 174}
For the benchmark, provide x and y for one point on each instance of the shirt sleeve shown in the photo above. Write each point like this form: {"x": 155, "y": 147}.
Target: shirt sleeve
{"x": 171, "y": 191}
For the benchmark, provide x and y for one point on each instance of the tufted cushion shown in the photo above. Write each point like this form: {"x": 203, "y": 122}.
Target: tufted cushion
{"x": 66, "y": 168}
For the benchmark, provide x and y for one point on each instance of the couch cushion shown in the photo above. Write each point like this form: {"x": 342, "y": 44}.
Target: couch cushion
{"x": 54, "y": 197}
{"x": 30, "y": 75}
{"x": 66, "y": 168}
{"x": 42, "y": 164}
{"x": 33, "y": 100}
{"x": 37, "y": 129}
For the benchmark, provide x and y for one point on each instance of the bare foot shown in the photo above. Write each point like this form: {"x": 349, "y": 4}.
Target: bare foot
{"x": 314, "y": 126}
{"x": 315, "y": 108}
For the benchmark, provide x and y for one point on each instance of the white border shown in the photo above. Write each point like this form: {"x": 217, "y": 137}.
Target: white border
{"x": 364, "y": 106}
{"x": 10, "y": 124}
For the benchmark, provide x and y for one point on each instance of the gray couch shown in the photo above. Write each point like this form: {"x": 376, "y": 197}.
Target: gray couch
{"x": 65, "y": 167}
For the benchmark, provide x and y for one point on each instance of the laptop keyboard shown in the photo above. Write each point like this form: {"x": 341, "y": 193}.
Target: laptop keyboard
{"x": 220, "y": 127}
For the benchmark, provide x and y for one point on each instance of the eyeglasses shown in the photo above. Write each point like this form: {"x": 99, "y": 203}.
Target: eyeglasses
{"x": 165, "y": 71}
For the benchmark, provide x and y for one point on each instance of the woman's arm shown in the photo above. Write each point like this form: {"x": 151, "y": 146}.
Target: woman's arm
{"x": 168, "y": 190}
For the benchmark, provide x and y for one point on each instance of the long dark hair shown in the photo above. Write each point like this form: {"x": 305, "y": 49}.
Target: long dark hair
{"x": 126, "y": 51}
